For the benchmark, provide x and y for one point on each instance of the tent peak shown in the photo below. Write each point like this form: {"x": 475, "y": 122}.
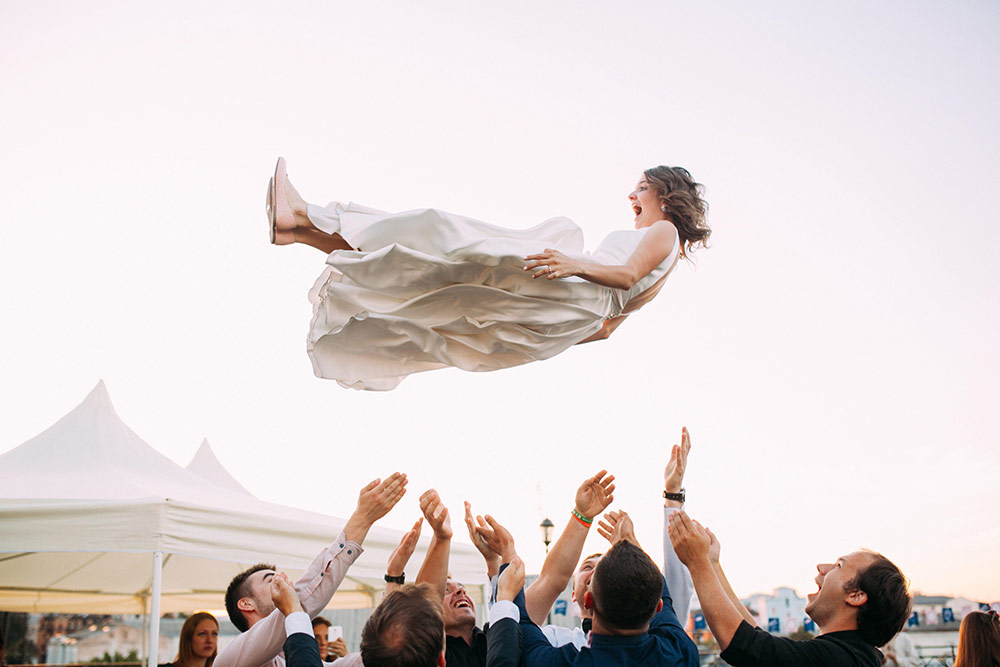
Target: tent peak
{"x": 92, "y": 446}
{"x": 206, "y": 465}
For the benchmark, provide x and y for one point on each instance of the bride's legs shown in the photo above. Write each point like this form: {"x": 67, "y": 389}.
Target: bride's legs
{"x": 320, "y": 240}
{"x": 305, "y": 231}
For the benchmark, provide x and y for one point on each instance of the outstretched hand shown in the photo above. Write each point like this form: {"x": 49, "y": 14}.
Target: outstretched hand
{"x": 436, "y": 514}
{"x": 497, "y": 537}
{"x": 492, "y": 557}
{"x": 374, "y": 502}
{"x": 401, "y": 554}
{"x": 617, "y": 526}
{"x": 595, "y": 494}
{"x": 692, "y": 543}
{"x": 377, "y": 498}
{"x": 552, "y": 264}
{"x": 511, "y": 580}
{"x": 283, "y": 595}
{"x": 673, "y": 474}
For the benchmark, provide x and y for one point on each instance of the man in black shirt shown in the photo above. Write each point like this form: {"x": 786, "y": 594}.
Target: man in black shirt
{"x": 861, "y": 603}
{"x": 465, "y": 644}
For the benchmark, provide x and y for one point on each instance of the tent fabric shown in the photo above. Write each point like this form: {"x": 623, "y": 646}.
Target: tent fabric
{"x": 85, "y": 504}
{"x": 208, "y": 467}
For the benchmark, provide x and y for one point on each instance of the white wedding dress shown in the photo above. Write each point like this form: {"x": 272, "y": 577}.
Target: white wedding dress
{"x": 429, "y": 289}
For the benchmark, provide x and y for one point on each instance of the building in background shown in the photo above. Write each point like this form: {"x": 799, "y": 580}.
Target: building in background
{"x": 781, "y": 613}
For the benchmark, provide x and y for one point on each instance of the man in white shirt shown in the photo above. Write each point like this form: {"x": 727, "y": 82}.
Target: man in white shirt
{"x": 248, "y": 598}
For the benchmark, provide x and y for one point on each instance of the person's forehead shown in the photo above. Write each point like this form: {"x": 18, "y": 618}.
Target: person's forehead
{"x": 856, "y": 559}
{"x": 591, "y": 562}
{"x": 261, "y": 575}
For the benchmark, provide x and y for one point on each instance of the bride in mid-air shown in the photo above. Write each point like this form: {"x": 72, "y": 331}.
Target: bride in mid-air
{"x": 425, "y": 289}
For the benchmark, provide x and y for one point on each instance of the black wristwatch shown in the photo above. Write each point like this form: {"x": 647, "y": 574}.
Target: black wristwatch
{"x": 674, "y": 496}
{"x": 401, "y": 579}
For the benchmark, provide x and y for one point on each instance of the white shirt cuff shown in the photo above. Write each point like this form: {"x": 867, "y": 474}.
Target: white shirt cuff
{"x": 298, "y": 621}
{"x": 502, "y": 609}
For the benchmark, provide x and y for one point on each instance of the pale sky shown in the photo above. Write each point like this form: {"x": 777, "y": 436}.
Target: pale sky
{"x": 833, "y": 352}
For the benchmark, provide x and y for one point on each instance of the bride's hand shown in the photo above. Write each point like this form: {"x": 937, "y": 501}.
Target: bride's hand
{"x": 552, "y": 264}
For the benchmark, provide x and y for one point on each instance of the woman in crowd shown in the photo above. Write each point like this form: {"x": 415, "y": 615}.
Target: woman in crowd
{"x": 979, "y": 640}
{"x": 427, "y": 289}
{"x": 199, "y": 642}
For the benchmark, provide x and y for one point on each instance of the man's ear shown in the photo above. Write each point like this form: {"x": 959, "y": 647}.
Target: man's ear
{"x": 572, "y": 596}
{"x": 440, "y": 662}
{"x": 245, "y": 604}
{"x": 659, "y": 606}
{"x": 857, "y": 598}
{"x": 588, "y": 600}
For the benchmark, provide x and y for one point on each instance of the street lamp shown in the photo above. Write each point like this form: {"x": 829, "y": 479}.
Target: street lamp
{"x": 546, "y": 527}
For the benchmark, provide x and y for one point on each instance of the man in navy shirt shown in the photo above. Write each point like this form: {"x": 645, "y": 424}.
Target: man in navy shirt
{"x": 862, "y": 602}
{"x": 634, "y": 620}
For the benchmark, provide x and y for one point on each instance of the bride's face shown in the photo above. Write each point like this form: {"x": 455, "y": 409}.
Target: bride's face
{"x": 646, "y": 204}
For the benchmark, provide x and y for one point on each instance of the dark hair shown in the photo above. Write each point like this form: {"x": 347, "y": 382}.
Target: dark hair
{"x": 406, "y": 630}
{"x": 979, "y": 640}
{"x": 184, "y": 653}
{"x": 678, "y": 191}
{"x": 888, "y": 605}
{"x": 319, "y": 620}
{"x": 626, "y": 587}
{"x": 239, "y": 589}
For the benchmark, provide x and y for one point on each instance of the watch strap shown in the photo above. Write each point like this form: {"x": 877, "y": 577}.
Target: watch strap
{"x": 679, "y": 497}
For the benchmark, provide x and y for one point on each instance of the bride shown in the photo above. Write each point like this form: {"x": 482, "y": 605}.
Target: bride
{"x": 425, "y": 289}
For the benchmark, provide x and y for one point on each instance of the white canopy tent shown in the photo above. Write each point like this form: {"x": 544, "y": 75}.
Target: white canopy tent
{"x": 95, "y": 520}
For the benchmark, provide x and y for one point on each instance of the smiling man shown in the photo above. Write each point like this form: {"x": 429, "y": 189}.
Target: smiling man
{"x": 465, "y": 644}
{"x": 861, "y": 603}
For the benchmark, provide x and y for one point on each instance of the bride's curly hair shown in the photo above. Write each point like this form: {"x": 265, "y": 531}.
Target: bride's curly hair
{"x": 685, "y": 207}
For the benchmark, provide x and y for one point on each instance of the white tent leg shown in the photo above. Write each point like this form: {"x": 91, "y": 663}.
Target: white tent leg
{"x": 154, "y": 608}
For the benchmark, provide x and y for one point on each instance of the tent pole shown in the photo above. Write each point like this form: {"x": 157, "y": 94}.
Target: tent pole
{"x": 154, "y": 608}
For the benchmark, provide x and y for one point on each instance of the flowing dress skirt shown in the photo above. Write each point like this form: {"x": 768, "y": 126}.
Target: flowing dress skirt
{"x": 428, "y": 289}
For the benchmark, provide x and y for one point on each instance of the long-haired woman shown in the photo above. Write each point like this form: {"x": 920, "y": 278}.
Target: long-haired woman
{"x": 199, "y": 641}
{"x": 979, "y": 640}
{"x": 426, "y": 289}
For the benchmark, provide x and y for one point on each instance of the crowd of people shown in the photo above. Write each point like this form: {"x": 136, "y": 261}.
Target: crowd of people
{"x": 631, "y": 611}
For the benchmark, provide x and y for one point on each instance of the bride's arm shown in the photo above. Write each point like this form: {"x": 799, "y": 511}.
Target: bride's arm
{"x": 650, "y": 253}
{"x": 605, "y": 331}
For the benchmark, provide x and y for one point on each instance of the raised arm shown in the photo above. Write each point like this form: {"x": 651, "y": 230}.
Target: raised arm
{"x": 714, "y": 552}
{"x": 677, "y": 575}
{"x": 592, "y": 498}
{"x": 434, "y": 571}
{"x": 654, "y": 247}
{"x": 693, "y": 544}
{"x": 400, "y": 556}
{"x": 503, "y": 637}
